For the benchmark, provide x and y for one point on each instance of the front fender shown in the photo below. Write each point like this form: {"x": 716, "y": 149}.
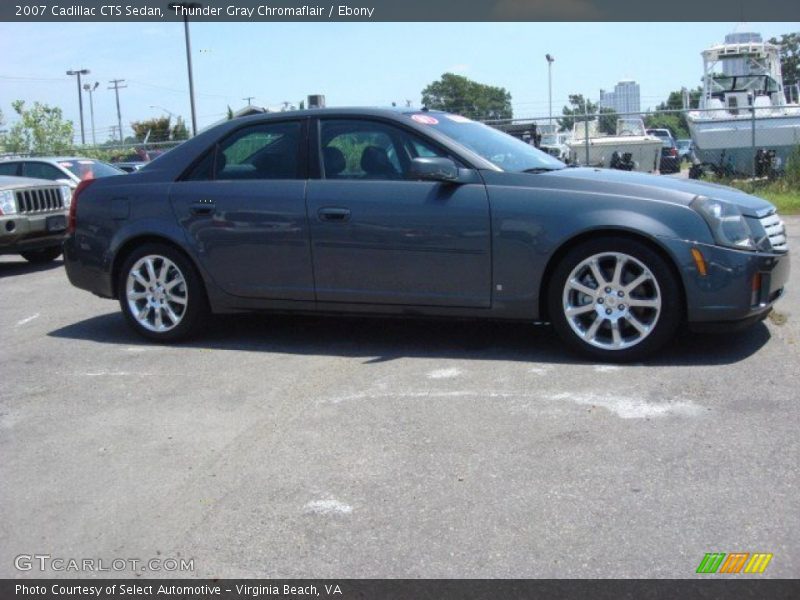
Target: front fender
{"x": 531, "y": 226}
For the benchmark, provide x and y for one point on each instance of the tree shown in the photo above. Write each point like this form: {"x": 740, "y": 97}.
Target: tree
{"x": 578, "y": 107}
{"x": 675, "y": 100}
{"x": 158, "y": 128}
{"x": 607, "y": 121}
{"x": 458, "y": 94}
{"x": 674, "y": 121}
{"x": 40, "y": 129}
{"x": 790, "y": 57}
{"x": 179, "y": 130}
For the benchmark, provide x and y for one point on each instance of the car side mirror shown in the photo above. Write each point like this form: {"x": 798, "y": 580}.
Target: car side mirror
{"x": 434, "y": 168}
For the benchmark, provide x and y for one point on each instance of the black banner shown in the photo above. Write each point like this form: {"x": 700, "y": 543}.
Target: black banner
{"x": 401, "y": 589}
{"x": 386, "y": 10}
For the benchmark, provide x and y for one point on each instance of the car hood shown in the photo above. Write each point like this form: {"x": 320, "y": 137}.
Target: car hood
{"x": 8, "y": 182}
{"x": 649, "y": 187}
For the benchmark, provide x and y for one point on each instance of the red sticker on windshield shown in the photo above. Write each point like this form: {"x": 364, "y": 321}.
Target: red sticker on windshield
{"x": 425, "y": 119}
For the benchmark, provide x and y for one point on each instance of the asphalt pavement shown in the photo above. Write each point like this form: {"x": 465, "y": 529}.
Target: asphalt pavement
{"x": 280, "y": 446}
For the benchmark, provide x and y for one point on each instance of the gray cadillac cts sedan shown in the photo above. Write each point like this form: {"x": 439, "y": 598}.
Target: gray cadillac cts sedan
{"x": 409, "y": 212}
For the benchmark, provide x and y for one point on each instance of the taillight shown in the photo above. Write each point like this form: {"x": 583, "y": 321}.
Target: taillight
{"x": 72, "y": 222}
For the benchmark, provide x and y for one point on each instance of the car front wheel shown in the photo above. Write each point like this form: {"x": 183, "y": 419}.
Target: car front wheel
{"x": 161, "y": 294}
{"x": 614, "y": 299}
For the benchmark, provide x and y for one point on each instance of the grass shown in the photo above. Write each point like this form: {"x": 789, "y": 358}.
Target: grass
{"x": 781, "y": 192}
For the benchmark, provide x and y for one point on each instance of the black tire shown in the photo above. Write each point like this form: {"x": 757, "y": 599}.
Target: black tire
{"x": 663, "y": 284}
{"x": 196, "y": 311}
{"x": 45, "y": 255}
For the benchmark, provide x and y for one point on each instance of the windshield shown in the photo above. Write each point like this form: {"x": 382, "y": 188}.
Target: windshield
{"x": 500, "y": 149}
{"x": 90, "y": 169}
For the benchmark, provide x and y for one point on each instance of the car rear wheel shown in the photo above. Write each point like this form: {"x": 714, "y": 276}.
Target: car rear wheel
{"x": 45, "y": 255}
{"x": 161, "y": 294}
{"x": 614, "y": 299}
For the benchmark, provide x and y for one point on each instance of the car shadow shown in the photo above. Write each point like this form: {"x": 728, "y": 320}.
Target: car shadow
{"x": 22, "y": 266}
{"x": 377, "y": 339}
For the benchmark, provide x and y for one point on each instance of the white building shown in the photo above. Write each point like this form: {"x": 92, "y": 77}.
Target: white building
{"x": 624, "y": 99}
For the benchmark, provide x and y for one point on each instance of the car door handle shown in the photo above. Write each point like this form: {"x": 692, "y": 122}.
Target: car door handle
{"x": 336, "y": 215}
{"x": 203, "y": 207}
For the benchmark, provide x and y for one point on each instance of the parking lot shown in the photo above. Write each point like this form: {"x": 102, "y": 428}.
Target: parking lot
{"x": 307, "y": 446}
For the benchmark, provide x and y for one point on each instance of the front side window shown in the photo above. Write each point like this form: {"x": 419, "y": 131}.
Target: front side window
{"x": 361, "y": 149}
{"x": 263, "y": 151}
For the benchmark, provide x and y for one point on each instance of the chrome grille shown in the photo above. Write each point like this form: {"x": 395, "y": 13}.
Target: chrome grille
{"x": 776, "y": 232}
{"x": 39, "y": 200}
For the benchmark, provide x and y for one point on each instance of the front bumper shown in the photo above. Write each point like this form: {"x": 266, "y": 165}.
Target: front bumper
{"x": 23, "y": 232}
{"x": 739, "y": 286}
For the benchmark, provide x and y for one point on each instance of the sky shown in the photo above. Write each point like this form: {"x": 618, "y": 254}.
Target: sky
{"x": 366, "y": 64}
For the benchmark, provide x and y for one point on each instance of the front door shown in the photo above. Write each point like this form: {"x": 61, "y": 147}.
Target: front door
{"x": 381, "y": 238}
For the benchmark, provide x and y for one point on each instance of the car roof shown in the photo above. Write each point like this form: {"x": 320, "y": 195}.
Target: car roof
{"x": 54, "y": 159}
{"x": 392, "y": 111}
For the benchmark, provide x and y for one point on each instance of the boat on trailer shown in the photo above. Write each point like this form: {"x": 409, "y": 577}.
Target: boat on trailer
{"x": 630, "y": 149}
{"x": 745, "y": 101}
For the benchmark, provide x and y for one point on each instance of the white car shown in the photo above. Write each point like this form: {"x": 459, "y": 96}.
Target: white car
{"x": 68, "y": 170}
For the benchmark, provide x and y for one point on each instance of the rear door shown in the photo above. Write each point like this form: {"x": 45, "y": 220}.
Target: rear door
{"x": 243, "y": 210}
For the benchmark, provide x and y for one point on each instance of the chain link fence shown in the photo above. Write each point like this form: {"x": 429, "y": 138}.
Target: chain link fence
{"x": 109, "y": 152}
{"x": 726, "y": 141}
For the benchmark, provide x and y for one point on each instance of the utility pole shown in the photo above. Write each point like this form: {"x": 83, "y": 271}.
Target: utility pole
{"x": 249, "y": 98}
{"x": 188, "y": 6}
{"x": 89, "y": 88}
{"x": 550, "y": 61}
{"x": 80, "y": 72}
{"x": 117, "y": 87}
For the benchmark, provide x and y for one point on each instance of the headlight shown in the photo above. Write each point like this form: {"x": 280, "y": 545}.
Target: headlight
{"x": 7, "y": 204}
{"x": 727, "y": 224}
{"x": 66, "y": 194}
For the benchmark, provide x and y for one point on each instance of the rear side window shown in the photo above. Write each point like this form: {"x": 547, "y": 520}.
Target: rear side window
{"x": 43, "y": 171}
{"x": 8, "y": 168}
{"x": 264, "y": 151}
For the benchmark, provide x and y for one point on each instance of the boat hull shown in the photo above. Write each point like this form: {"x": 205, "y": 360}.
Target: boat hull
{"x": 728, "y": 143}
{"x": 645, "y": 153}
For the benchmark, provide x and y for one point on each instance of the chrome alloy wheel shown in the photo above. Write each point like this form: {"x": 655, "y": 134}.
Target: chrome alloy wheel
{"x": 157, "y": 293}
{"x": 611, "y": 301}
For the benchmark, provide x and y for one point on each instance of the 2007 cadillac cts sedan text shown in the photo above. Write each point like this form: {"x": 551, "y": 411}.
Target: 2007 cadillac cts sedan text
{"x": 420, "y": 213}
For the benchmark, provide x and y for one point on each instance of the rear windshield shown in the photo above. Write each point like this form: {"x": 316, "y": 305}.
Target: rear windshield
{"x": 90, "y": 169}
